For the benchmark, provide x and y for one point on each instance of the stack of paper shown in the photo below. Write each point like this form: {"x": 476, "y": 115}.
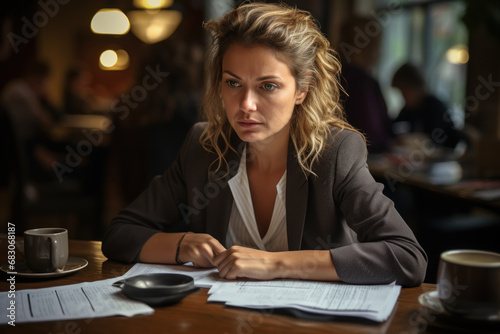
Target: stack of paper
{"x": 76, "y": 301}
{"x": 374, "y": 302}
{"x": 100, "y": 298}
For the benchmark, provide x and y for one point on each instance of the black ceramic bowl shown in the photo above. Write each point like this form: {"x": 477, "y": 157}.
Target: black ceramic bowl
{"x": 157, "y": 289}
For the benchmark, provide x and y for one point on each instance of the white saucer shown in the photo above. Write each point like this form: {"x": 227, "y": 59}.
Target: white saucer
{"x": 436, "y": 315}
{"x": 22, "y": 270}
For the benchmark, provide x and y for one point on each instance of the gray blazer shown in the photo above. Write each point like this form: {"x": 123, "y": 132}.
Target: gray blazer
{"x": 341, "y": 209}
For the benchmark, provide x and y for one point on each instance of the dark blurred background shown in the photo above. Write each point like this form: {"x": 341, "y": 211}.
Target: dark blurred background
{"x": 87, "y": 119}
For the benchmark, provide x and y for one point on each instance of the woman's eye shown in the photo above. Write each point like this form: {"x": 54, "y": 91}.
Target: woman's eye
{"x": 269, "y": 87}
{"x": 232, "y": 83}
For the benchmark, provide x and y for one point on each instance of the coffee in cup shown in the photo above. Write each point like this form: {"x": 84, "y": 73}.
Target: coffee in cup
{"x": 469, "y": 283}
{"x": 46, "y": 249}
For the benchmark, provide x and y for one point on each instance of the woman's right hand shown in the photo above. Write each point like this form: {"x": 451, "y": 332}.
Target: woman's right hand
{"x": 200, "y": 249}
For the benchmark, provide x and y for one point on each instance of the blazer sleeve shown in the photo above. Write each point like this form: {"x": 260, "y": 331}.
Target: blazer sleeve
{"x": 155, "y": 210}
{"x": 387, "y": 249}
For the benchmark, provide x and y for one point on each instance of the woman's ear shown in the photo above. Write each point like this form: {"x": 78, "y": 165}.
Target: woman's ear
{"x": 300, "y": 97}
{"x": 302, "y": 93}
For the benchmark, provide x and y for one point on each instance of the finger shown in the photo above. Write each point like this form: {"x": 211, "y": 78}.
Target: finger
{"x": 234, "y": 269}
{"x": 217, "y": 247}
{"x": 210, "y": 250}
{"x": 229, "y": 255}
{"x": 231, "y": 264}
{"x": 219, "y": 258}
{"x": 222, "y": 271}
{"x": 205, "y": 253}
{"x": 225, "y": 269}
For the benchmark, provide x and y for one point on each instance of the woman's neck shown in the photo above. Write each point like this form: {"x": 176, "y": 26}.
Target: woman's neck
{"x": 268, "y": 157}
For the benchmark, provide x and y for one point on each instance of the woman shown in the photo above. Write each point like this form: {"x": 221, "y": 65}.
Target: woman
{"x": 275, "y": 183}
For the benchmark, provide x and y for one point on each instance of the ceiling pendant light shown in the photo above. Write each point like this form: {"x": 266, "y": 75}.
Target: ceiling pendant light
{"x": 153, "y": 4}
{"x": 110, "y": 21}
{"x": 111, "y": 60}
{"x": 153, "y": 26}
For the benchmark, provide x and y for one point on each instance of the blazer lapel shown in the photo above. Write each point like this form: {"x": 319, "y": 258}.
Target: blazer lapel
{"x": 219, "y": 209}
{"x": 296, "y": 200}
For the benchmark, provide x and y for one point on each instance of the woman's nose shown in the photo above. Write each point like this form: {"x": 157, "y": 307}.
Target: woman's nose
{"x": 248, "y": 101}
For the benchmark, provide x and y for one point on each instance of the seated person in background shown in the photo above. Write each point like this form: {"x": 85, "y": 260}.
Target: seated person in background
{"x": 32, "y": 116}
{"x": 78, "y": 94}
{"x": 275, "y": 183}
{"x": 364, "y": 105}
{"x": 423, "y": 112}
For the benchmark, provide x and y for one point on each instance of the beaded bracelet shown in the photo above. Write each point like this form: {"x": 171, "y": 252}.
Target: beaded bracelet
{"x": 178, "y": 248}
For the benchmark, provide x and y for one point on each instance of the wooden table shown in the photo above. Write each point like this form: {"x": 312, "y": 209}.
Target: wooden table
{"x": 194, "y": 315}
{"x": 406, "y": 174}
{"x": 92, "y": 128}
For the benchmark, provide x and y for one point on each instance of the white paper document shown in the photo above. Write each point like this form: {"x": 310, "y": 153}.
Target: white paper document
{"x": 374, "y": 302}
{"x": 78, "y": 301}
{"x": 91, "y": 299}
{"x": 203, "y": 278}
{"x": 101, "y": 299}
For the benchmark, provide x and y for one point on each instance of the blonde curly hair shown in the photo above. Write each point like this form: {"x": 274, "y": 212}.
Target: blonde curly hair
{"x": 294, "y": 34}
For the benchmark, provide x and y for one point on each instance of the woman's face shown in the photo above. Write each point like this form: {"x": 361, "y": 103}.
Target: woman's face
{"x": 259, "y": 93}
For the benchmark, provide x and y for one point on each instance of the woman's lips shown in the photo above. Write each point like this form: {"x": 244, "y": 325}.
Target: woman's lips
{"x": 248, "y": 124}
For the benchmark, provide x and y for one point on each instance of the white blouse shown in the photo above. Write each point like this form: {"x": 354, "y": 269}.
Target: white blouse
{"x": 243, "y": 230}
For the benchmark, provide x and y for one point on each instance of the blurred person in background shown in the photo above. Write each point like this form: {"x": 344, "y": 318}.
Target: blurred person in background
{"x": 423, "y": 112}
{"x": 33, "y": 116}
{"x": 78, "y": 94}
{"x": 364, "y": 103}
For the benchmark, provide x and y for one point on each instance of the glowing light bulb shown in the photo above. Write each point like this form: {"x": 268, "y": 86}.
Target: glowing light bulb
{"x": 110, "y": 21}
{"x": 108, "y": 58}
{"x": 153, "y": 4}
{"x": 458, "y": 55}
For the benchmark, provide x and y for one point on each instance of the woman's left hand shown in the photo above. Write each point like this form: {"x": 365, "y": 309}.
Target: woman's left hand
{"x": 243, "y": 262}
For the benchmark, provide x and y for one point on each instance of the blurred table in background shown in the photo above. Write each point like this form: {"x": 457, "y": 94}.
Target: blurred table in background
{"x": 71, "y": 192}
{"x": 94, "y": 128}
{"x": 443, "y": 200}
{"x": 450, "y": 178}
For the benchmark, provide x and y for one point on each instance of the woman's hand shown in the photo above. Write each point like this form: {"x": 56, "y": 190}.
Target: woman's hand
{"x": 200, "y": 249}
{"x": 239, "y": 262}
{"x": 243, "y": 262}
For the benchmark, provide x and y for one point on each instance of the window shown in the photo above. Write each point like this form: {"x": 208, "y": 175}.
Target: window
{"x": 431, "y": 35}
